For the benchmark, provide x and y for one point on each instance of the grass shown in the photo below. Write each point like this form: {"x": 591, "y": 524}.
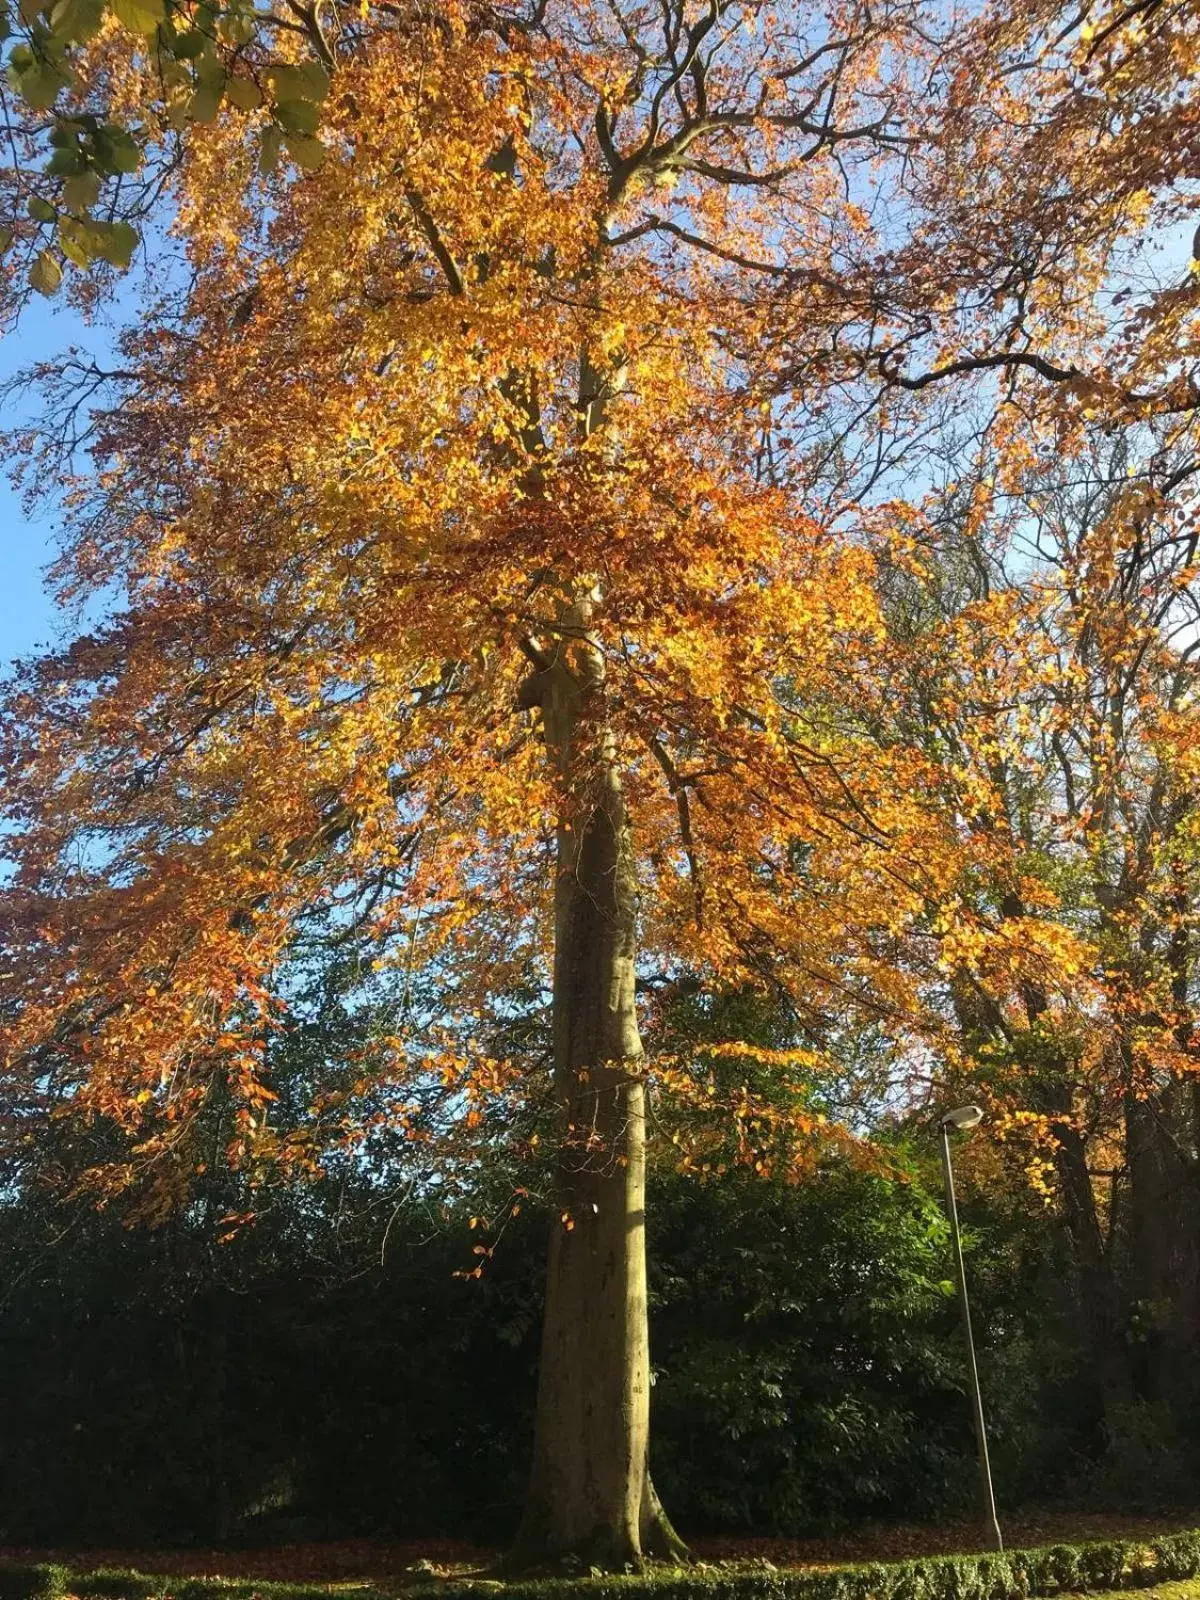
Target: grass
{"x": 1140, "y": 1556}
{"x": 1189, "y": 1589}
{"x": 383, "y": 1562}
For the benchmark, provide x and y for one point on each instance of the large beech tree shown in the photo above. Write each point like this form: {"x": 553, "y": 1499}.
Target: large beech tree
{"x": 487, "y": 516}
{"x": 457, "y": 588}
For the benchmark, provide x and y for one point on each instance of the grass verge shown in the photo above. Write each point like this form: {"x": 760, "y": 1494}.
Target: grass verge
{"x": 1167, "y": 1563}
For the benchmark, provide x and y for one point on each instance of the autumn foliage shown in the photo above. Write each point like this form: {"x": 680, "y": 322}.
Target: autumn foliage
{"x": 607, "y": 490}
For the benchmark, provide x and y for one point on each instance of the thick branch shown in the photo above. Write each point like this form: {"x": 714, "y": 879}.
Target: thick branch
{"x": 679, "y": 788}
{"x": 436, "y": 243}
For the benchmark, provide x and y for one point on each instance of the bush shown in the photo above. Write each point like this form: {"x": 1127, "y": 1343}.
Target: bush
{"x": 29, "y": 1581}
{"x": 1175, "y": 1558}
{"x": 1109, "y": 1564}
{"x": 116, "y": 1584}
{"x": 807, "y": 1373}
{"x": 21, "y": 1580}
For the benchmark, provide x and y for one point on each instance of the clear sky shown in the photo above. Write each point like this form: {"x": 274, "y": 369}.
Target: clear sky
{"x": 24, "y": 611}
{"x": 27, "y": 617}
{"x": 25, "y": 545}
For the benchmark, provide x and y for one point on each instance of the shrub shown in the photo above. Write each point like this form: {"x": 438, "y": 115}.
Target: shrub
{"x": 1175, "y": 1557}
{"x": 41, "y": 1580}
{"x": 110, "y": 1583}
{"x": 1109, "y": 1564}
{"x": 1102, "y": 1566}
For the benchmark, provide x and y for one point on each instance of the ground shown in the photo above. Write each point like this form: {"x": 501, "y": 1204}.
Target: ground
{"x": 375, "y": 1561}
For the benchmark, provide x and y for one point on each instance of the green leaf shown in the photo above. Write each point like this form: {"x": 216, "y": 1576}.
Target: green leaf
{"x": 297, "y": 116}
{"x": 30, "y": 10}
{"x": 244, "y": 93}
{"x": 66, "y": 163}
{"x": 174, "y": 74}
{"x": 236, "y": 28}
{"x": 6, "y": 239}
{"x": 316, "y": 80}
{"x": 45, "y": 275}
{"x": 305, "y": 152}
{"x": 40, "y": 210}
{"x": 178, "y": 108}
{"x": 139, "y": 16}
{"x": 210, "y": 73}
{"x": 38, "y": 85}
{"x": 289, "y": 83}
{"x": 76, "y": 20}
{"x": 116, "y": 242}
{"x": 127, "y": 157}
{"x": 187, "y": 46}
{"x": 75, "y": 244}
{"x": 81, "y": 193}
{"x": 268, "y": 158}
{"x": 205, "y": 104}
{"x": 116, "y": 150}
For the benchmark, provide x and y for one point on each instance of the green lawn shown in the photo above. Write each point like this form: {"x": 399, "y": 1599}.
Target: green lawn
{"x": 1187, "y": 1590}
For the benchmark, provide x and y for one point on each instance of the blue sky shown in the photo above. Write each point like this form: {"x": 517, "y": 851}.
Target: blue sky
{"x": 47, "y": 327}
{"x": 25, "y": 612}
{"x": 27, "y": 617}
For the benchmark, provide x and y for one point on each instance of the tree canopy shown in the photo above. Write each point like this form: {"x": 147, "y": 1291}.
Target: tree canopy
{"x": 602, "y": 493}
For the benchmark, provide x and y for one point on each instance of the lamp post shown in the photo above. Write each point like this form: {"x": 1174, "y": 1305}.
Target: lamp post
{"x": 962, "y": 1118}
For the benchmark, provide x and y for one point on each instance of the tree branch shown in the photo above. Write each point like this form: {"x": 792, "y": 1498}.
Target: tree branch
{"x": 436, "y": 243}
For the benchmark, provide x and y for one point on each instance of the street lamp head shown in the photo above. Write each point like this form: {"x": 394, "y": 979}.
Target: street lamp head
{"x": 963, "y": 1117}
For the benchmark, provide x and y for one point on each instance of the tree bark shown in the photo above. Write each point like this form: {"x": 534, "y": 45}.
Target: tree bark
{"x": 591, "y": 1501}
{"x": 1102, "y": 1304}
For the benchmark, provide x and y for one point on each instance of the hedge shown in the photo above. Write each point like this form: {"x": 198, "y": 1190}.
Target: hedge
{"x": 44, "y": 1581}
{"x": 1107, "y": 1564}
{"x": 32, "y": 1581}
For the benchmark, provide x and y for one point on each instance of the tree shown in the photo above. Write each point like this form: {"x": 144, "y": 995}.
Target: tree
{"x": 100, "y": 98}
{"x": 460, "y": 421}
{"x": 546, "y": 370}
{"x": 1050, "y": 655}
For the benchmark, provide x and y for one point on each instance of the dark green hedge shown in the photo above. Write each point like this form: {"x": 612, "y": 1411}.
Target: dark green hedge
{"x": 42, "y": 1581}
{"x": 1017, "y": 1575}
{"x": 32, "y": 1580}
{"x": 109, "y": 1583}
{"x": 138, "y": 1586}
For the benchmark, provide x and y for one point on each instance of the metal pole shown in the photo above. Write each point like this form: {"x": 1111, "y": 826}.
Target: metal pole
{"x": 991, "y": 1527}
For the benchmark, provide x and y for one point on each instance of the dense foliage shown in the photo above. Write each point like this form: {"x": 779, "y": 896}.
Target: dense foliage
{"x": 316, "y": 1379}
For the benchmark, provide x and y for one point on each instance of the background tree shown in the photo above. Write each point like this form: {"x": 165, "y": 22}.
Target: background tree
{"x": 1050, "y": 654}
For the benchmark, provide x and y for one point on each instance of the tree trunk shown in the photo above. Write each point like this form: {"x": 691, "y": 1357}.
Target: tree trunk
{"x": 591, "y": 1501}
{"x": 1102, "y": 1305}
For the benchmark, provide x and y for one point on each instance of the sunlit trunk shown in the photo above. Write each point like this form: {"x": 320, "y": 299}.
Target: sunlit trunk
{"x": 590, "y": 1496}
